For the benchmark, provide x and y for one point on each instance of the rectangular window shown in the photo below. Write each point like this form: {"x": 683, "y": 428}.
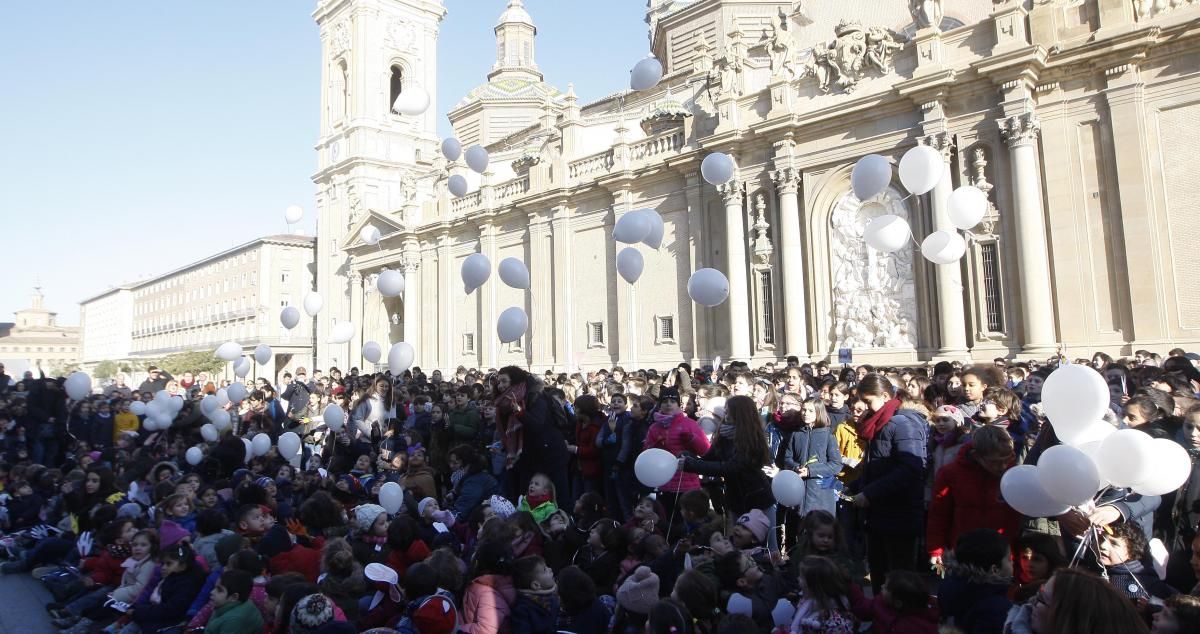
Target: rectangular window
{"x": 284, "y": 300}
{"x": 768, "y": 313}
{"x": 993, "y": 306}
{"x": 664, "y": 329}
{"x": 469, "y": 343}
{"x": 595, "y": 334}
{"x": 285, "y": 277}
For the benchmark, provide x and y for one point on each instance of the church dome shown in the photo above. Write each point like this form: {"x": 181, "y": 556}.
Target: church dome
{"x": 511, "y": 88}
{"x": 515, "y": 13}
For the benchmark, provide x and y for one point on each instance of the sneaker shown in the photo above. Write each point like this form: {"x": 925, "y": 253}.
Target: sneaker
{"x": 61, "y": 614}
{"x": 66, "y": 623}
{"x": 51, "y": 607}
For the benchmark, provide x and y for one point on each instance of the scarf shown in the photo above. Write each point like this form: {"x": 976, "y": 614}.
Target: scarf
{"x": 537, "y": 500}
{"x": 119, "y": 551}
{"x": 868, "y": 427}
{"x": 663, "y": 419}
{"x": 374, "y": 540}
{"x": 726, "y": 430}
{"x": 510, "y": 408}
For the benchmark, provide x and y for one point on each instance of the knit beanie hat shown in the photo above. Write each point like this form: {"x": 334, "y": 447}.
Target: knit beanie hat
{"x": 757, "y": 523}
{"x": 310, "y": 613}
{"x": 423, "y": 504}
{"x": 263, "y": 481}
{"x": 952, "y": 412}
{"x": 501, "y": 507}
{"x": 436, "y": 615}
{"x": 129, "y": 510}
{"x": 639, "y": 593}
{"x": 170, "y": 533}
{"x": 365, "y": 515}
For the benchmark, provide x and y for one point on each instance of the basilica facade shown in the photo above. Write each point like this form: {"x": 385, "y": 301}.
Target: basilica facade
{"x": 1077, "y": 117}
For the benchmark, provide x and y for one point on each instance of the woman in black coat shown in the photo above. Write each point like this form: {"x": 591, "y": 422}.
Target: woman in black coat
{"x": 529, "y": 425}
{"x": 738, "y": 454}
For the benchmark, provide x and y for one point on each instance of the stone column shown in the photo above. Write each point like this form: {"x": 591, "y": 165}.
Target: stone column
{"x": 1037, "y": 303}
{"x": 354, "y": 346}
{"x": 541, "y": 316}
{"x": 564, "y": 317}
{"x": 791, "y": 251}
{"x": 489, "y": 340}
{"x": 735, "y": 250}
{"x": 412, "y": 303}
{"x": 446, "y": 324}
{"x": 952, "y": 321}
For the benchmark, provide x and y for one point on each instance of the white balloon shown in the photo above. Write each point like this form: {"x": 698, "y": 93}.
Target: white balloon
{"x": 632, "y": 227}
{"x": 477, "y": 158}
{"x": 390, "y": 283}
{"x": 293, "y": 214}
{"x": 162, "y": 397}
{"x": 646, "y": 74}
{"x": 289, "y": 444}
{"x": 412, "y": 100}
{"x": 137, "y": 408}
{"x": 249, "y": 450}
{"x": 150, "y": 424}
{"x": 1073, "y": 397}
{"x": 1077, "y": 436}
{"x": 372, "y": 352}
{"x": 1127, "y": 457}
{"x": 451, "y": 149}
{"x": 78, "y": 385}
{"x": 221, "y": 419}
{"x": 341, "y": 332}
{"x": 261, "y": 444}
{"x": 289, "y": 317}
{"x": 513, "y": 273}
{"x": 334, "y": 416}
{"x": 369, "y": 235}
{"x": 164, "y": 421}
{"x": 788, "y": 488}
{"x": 1068, "y": 475}
{"x": 708, "y": 287}
{"x": 222, "y": 397}
{"x": 655, "y": 467}
{"x": 236, "y": 392}
{"x": 242, "y": 367}
{"x": 391, "y": 497}
{"x": 943, "y": 247}
{"x": 209, "y": 432}
{"x": 717, "y": 168}
{"x": 175, "y": 404}
{"x": 967, "y": 206}
{"x": 870, "y": 176}
{"x": 400, "y": 357}
{"x": 1171, "y": 470}
{"x": 194, "y": 456}
{"x": 313, "y": 303}
{"x": 229, "y": 351}
{"x": 263, "y": 353}
{"x": 630, "y": 264}
{"x": 887, "y": 233}
{"x": 921, "y": 168}
{"x": 512, "y": 324}
{"x": 476, "y": 269}
{"x": 657, "y": 229}
{"x": 457, "y": 184}
{"x": 1023, "y": 491}
{"x": 155, "y": 408}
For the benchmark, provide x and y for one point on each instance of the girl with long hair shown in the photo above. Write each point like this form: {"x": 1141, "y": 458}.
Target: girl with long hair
{"x": 737, "y": 456}
{"x": 812, "y": 452}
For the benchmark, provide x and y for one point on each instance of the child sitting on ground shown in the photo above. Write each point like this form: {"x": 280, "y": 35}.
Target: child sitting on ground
{"x": 537, "y": 606}
{"x": 540, "y": 499}
{"x": 233, "y": 612}
{"x": 973, "y": 596}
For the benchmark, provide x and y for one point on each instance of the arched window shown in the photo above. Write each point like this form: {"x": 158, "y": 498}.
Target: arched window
{"x": 337, "y": 92}
{"x": 397, "y": 86}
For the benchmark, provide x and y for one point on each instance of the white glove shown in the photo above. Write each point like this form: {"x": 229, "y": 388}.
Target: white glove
{"x": 4, "y": 498}
{"x": 84, "y": 543}
{"x": 39, "y": 532}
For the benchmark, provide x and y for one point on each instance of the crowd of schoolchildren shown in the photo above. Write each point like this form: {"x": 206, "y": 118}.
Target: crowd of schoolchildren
{"x": 500, "y": 501}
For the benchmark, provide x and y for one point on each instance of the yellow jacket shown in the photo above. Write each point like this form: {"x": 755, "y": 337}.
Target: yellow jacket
{"x": 123, "y": 422}
{"x": 852, "y": 448}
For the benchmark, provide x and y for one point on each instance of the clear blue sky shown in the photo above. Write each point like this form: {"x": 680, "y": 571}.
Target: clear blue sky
{"x": 140, "y": 136}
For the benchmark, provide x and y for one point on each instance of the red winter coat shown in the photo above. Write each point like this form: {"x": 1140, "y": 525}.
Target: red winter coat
{"x": 966, "y": 497}
{"x": 682, "y": 434}
{"x": 104, "y": 569}
{"x": 589, "y": 454}
{"x": 399, "y": 560}
{"x": 301, "y": 559}
{"x": 884, "y": 618}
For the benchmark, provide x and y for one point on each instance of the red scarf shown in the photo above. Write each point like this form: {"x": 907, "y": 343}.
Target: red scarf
{"x": 868, "y": 427}
{"x": 510, "y": 409}
{"x": 535, "y": 501}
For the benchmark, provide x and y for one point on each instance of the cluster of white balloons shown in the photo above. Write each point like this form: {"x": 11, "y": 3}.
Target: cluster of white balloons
{"x": 644, "y": 226}
{"x": 476, "y": 157}
{"x": 160, "y": 412}
{"x": 921, "y": 169}
{"x": 512, "y": 323}
{"x": 1094, "y": 454}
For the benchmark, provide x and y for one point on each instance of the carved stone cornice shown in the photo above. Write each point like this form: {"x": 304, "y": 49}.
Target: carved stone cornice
{"x": 787, "y": 180}
{"x": 731, "y": 192}
{"x": 1020, "y": 130}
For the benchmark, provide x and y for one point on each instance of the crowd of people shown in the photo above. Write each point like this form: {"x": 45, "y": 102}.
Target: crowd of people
{"x": 522, "y": 510}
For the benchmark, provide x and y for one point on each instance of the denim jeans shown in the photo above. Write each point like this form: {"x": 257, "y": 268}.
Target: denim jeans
{"x": 91, "y": 600}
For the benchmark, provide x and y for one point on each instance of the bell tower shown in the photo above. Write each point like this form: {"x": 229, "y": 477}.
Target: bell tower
{"x": 370, "y": 158}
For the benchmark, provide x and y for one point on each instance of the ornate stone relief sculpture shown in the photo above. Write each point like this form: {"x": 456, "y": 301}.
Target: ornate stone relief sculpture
{"x": 762, "y": 233}
{"x": 844, "y": 61}
{"x": 1151, "y": 8}
{"x": 927, "y": 13}
{"x": 778, "y": 43}
{"x": 340, "y": 39}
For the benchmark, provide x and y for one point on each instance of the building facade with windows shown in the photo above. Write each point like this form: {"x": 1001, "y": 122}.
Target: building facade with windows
{"x": 106, "y": 326}
{"x": 1076, "y": 117}
{"x": 35, "y": 340}
{"x": 235, "y": 295}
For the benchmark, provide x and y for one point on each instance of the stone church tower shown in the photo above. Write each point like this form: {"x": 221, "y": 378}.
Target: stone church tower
{"x": 374, "y": 165}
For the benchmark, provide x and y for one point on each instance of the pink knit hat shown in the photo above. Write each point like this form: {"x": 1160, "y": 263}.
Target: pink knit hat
{"x": 757, "y": 523}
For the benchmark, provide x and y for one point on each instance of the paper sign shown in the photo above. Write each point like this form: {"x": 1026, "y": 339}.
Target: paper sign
{"x": 845, "y": 356}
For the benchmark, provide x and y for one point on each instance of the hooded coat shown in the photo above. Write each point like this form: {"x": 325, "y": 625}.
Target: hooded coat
{"x": 965, "y": 497}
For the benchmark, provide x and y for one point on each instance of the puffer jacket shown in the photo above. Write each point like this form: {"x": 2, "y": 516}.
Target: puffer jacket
{"x": 681, "y": 435}
{"x": 817, "y": 449}
{"x": 487, "y": 605}
{"x": 967, "y": 497}
{"x": 894, "y": 476}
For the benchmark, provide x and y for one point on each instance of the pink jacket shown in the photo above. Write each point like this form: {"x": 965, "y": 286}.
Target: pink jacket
{"x": 487, "y": 605}
{"x": 683, "y": 434}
